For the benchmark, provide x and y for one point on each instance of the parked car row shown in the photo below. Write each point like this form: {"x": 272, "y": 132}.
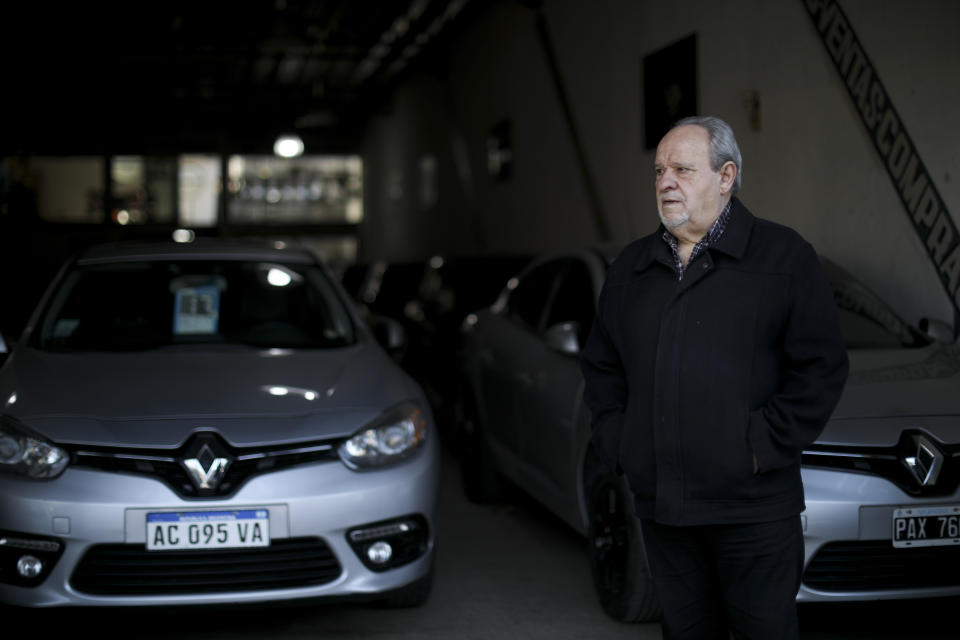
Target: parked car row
{"x": 881, "y": 482}
{"x": 225, "y": 407}
{"x": 430, "y": 299}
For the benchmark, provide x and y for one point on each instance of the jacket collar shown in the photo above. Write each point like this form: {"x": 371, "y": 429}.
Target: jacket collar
{"x": 733, "y": 242}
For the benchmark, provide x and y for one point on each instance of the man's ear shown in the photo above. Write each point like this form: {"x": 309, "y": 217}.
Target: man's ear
{"x": 728, "y": 173}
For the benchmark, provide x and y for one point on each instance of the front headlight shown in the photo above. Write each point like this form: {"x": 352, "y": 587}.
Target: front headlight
{"x": 25, "y": 452}
{"x": 393, "y": 436}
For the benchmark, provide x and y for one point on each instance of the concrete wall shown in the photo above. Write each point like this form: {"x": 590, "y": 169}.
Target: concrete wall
{"x": 812, "y": 164}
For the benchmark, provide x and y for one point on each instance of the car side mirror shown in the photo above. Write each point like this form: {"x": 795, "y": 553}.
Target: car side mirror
{"x": 937, "y": 329}
{"x": 564, "y": 337}
{"x": 389, "y": 333}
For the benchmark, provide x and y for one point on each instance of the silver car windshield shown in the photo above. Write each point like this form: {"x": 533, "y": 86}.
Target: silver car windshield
{"x": 149, "y": 305}
{"x": 867, "y": 322}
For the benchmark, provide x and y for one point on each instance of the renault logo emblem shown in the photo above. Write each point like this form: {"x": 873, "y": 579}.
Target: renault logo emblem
{"x": 927, "y": 462}
{"x": 205, "y": 467}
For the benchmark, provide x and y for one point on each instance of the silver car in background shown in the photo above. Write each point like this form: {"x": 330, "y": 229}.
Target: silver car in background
{"x": 882, "y": 483}
{"x": 209, "y": 423}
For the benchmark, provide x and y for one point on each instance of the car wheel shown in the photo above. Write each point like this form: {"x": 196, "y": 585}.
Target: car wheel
{"x": 482, "y": 481}
{"x": 414, "y": 594}
{"x": 618, "y": 561}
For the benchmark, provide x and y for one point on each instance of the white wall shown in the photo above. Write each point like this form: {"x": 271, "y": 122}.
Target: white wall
{"x": 811, "y": 166}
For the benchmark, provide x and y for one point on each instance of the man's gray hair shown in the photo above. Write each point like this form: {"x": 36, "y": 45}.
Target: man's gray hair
{"x": 723, "y": 144}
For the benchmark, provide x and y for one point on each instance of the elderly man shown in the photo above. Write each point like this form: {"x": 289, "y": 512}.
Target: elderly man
{"x": 715, "y": 359}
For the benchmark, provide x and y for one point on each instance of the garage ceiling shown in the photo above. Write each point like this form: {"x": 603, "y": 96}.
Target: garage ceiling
{"x": 205, "y": 75}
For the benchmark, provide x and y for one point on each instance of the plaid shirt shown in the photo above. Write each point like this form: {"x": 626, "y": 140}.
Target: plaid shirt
{"x": 711, "y": 237}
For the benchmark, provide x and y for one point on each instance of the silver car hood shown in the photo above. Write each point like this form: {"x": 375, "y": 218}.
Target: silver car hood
{"x": 158, "y": 398}
{"x": 890, "y": 390}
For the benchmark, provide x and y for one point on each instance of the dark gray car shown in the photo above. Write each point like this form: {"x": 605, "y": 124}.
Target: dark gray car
{"x": 523, "y": 418}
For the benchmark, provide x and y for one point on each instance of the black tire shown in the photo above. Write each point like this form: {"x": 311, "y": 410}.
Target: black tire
{"x": 618, "y": 560}
{"x": 482, "y": 481}
{"x": 413, "y": 595}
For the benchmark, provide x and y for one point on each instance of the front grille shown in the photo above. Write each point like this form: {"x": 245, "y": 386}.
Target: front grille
{"x": 166, "y": 465}
{"x": 874, "y": 565}
{"x": 888, "y": 463}
{"x": 129, "y": 569}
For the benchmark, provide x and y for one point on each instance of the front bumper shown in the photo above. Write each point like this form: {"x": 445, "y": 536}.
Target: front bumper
{"x": 849, "y": 555}
{"x": 314, "y": 504}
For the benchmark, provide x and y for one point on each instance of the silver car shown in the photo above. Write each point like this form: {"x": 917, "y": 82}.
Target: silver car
{"x": 209, "y": 423}
{"x": 881, "y": 483}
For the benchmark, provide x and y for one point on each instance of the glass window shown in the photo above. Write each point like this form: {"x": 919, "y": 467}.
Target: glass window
{"x": 860, "y": 332}
{"x": 146, "y": 305}
{"x": 199, "y": 178}
{"x": 336, "y": 251}
{"x": 68, "y": 189}
{"x": 528, "y": 300}
{"x": 574, "y": 300}
{"x": 144, "y": 189}
{"x": 304, "y": 190}
{"x": 867, "y": 322}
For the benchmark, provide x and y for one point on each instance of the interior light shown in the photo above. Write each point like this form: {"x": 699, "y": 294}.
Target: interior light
{"x": 184, "y": 235}
{"x": 354, "y": 210}
{"x": 288, "y": 146}
{"x": 279, "y": 277}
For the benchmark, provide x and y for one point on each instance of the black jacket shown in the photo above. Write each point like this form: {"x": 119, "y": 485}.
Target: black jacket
{"x": 688, "y": 380}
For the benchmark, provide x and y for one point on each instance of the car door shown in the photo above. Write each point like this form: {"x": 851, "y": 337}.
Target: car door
{"x": 509, "y": 338}
{"x": 556, "y": 395}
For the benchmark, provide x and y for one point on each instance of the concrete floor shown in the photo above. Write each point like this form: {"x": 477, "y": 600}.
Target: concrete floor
{"x": 506, "y": 571}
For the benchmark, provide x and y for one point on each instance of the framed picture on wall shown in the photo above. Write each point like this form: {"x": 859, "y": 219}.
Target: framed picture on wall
{"x": 669, "y": 88}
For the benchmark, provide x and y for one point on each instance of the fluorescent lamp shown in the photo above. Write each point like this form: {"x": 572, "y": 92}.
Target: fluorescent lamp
{"x": 288, "y": 146}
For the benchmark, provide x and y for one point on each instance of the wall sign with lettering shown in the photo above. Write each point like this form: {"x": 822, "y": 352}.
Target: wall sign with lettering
{"x": 925, "y": 208}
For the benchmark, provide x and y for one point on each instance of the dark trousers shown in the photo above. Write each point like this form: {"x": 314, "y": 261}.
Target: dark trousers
{"x": 716, "y": 580}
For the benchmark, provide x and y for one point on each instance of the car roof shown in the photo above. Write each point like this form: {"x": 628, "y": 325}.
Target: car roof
{"x": 201, "y": 249}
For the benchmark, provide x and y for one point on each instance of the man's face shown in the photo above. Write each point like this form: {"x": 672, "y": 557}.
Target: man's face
{"x": 689, "y": 196}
